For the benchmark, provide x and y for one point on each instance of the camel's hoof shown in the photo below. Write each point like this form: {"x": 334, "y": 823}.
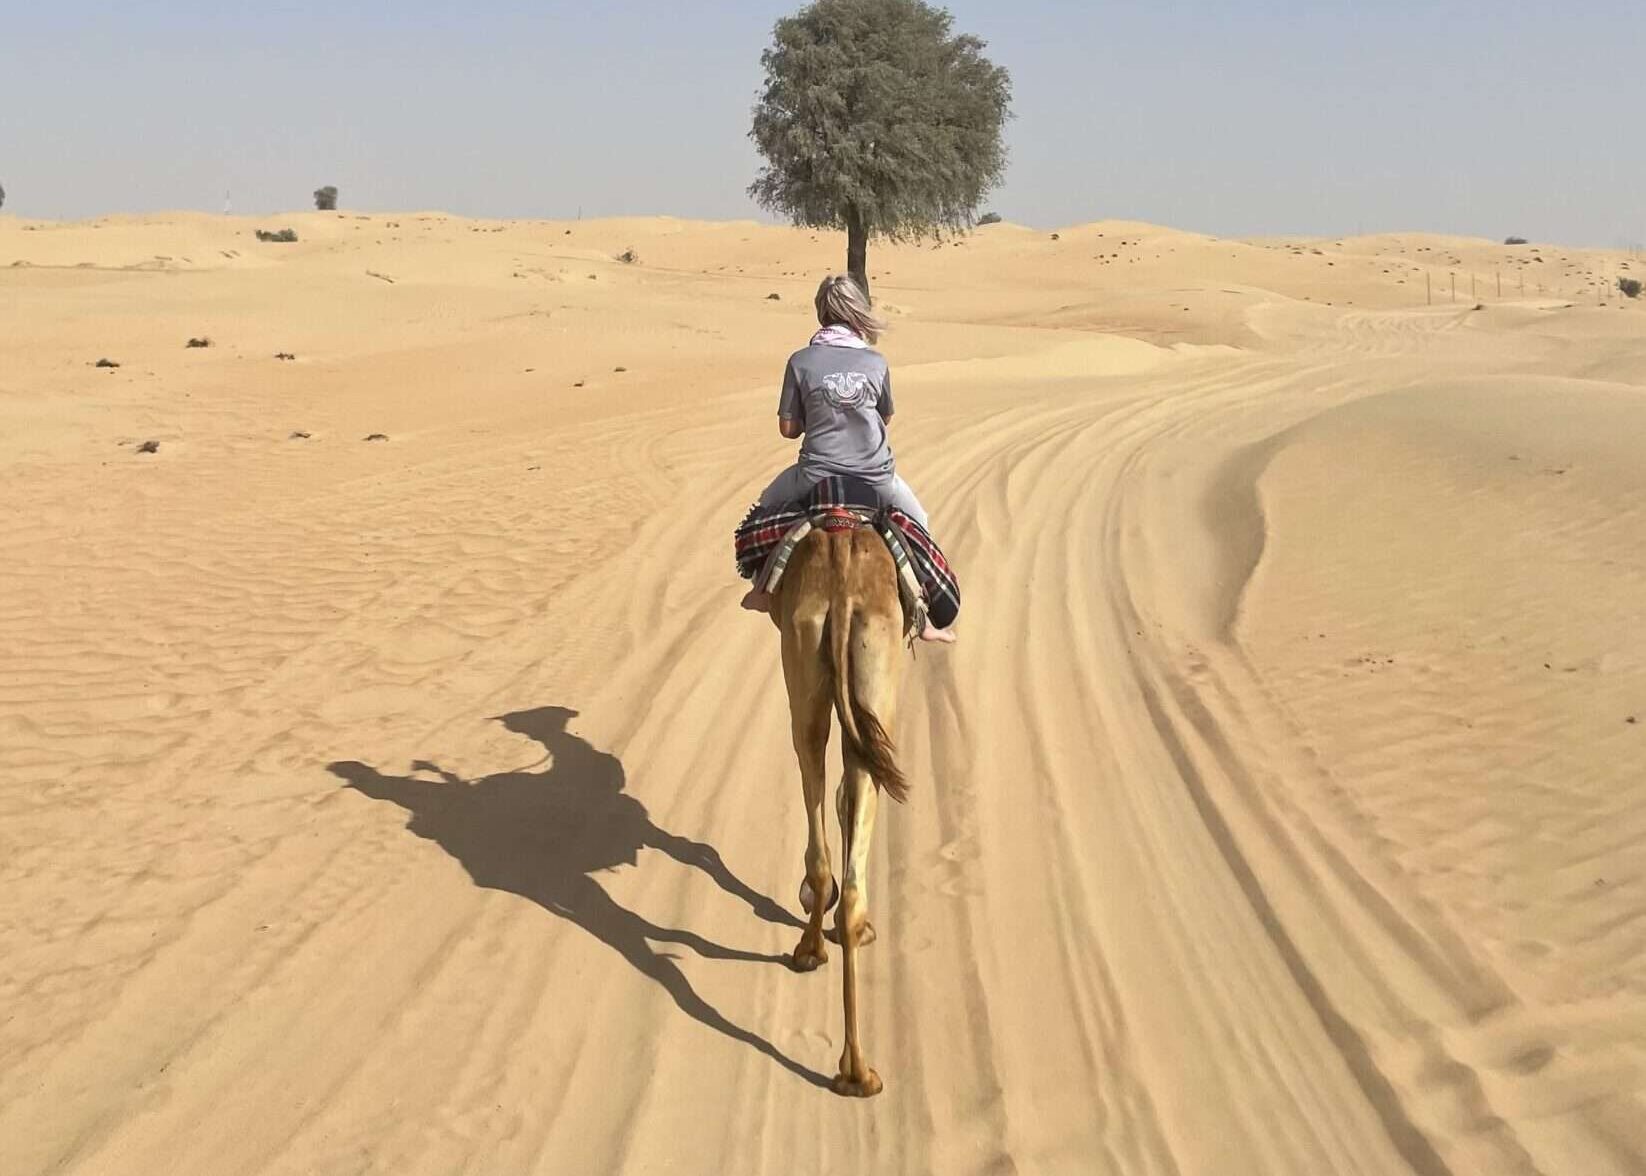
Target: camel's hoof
{"x": 868, "y": 1087}
{"x": 807, "y": 898}
{"x": 809, "y": 959}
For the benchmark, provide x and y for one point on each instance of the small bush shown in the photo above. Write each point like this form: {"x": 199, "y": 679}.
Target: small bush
{"x": 325, "y": 199}
{"x": 201, "y": 341}
{"x": 1514, "y": 240}
{"x": 284, "y": 236}
{"x": 1629, "y": 286}
{"x": 990, "y": 218}
{"x": 628, "y": 257}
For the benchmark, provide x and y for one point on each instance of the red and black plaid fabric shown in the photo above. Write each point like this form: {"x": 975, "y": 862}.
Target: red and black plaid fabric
{"x": 931, "y": 568}
{"x": 764, "y": 527}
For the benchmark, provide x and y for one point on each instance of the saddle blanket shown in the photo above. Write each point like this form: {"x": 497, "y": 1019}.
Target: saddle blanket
{"x": 760, "y": 541}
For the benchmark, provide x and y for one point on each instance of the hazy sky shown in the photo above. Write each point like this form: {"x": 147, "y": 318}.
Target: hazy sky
{"x": 1227, "y": 117}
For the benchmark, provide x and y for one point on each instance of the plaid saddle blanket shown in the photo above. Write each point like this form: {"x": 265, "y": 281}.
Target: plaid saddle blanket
{"x": 769, "y": 534}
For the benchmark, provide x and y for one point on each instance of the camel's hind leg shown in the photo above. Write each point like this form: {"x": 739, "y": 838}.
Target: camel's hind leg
{"x": 857, "y": 799}
{"x": 810, "y": 692}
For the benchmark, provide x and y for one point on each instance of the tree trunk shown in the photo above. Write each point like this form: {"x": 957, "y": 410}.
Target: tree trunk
{"x": 857, "y": 248}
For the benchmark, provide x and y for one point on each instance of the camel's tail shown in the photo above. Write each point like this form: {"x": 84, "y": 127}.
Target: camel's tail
{"x": 865, "y": 736}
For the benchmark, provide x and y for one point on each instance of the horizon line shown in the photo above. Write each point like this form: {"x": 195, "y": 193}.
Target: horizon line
{"x": 758, "y": 222}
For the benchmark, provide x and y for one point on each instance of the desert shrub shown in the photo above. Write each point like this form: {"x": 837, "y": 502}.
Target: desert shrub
{"x": 1514, "y": 240}
{"x": 2, "y": 196}
{"x": 1629, "y": 286}
{"x": 325, "y": 199}
{"x": 281, "y": 235}
{"x": 628, "y": 257}
{"x": 990, "y": 218}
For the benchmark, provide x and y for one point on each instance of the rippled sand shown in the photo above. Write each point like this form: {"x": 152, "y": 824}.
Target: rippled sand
{"x": 425, "y": 804}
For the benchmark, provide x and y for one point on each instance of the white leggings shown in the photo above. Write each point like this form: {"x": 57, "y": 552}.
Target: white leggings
{"x": 793, "y": 483}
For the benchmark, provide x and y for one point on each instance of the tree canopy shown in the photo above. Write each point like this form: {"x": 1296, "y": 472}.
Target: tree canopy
{"x": 325, "y": 199}
{"x": 877, "y": 118}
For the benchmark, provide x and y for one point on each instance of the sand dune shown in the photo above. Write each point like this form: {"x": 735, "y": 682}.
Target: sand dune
{"x": 426, "y": 804}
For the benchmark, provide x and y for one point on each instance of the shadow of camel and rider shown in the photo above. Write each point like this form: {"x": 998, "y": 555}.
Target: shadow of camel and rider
{"x": 544, "y": 834}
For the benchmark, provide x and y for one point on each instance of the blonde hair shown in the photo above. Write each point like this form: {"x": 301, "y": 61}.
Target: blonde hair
{"x": 841, "y": 300}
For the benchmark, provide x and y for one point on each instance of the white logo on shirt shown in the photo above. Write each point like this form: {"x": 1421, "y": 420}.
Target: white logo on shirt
{"x": 850, "y": 390}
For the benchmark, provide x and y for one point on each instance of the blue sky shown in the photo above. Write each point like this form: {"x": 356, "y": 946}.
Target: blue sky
{"x": 1231, "y": 118}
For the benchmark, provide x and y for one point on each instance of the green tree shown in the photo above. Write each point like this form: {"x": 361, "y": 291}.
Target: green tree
{"x": 878, "y": 119}
{"x": 2, "y": 196}
{"x": 325, "y": 199}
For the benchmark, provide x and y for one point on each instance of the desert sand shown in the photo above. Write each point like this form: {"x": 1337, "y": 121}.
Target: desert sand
{"x": 426, "y": 805}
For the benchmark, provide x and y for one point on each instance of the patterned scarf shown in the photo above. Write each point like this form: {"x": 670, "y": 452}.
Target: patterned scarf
{"x": 837, "y": 335}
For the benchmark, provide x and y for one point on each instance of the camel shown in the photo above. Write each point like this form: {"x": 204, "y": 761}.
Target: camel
{"x": 841, "y": 620}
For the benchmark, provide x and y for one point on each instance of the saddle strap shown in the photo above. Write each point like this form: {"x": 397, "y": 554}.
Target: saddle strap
{"x": 839, "y": 518}
{"x": 908, "y": 584}
{"x": 769, "y": 575}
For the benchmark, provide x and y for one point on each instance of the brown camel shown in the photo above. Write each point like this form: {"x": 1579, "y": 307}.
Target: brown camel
{"x": 838, "y": 610}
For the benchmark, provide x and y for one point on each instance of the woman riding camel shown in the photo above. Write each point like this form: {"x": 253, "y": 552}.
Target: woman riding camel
{"x": 837, "y": 395}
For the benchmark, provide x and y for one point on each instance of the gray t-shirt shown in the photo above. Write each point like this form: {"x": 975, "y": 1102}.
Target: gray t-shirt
{"x": 843, "y": 397}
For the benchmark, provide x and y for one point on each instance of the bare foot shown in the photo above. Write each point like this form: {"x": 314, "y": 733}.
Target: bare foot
{"x": 932, "y": 633}
{"x": 757, "y": 601}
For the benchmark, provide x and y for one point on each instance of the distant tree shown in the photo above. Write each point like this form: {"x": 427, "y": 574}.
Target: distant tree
{"x": 878, "y": 119}
{"x": 1514, "y": 240}
{"x": 2, "y": 196}
{"x": 990, "y": 218}
{"x": 325, "y": 199}
{"x": 1629, "y": 286}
